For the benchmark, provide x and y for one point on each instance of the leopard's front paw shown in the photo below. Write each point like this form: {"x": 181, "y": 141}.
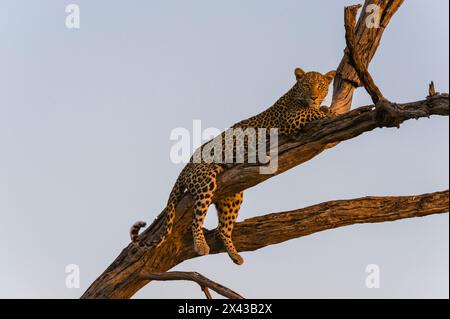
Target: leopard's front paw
{"x": 328, "y": 110}
{"x": 201, "y": 248}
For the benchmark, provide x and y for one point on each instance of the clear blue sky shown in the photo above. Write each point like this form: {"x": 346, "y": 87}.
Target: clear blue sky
{"x": 86, "y": 115}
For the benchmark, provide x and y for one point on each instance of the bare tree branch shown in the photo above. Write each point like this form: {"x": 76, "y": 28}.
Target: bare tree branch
{"x": 355, "y": 58}
{"x": 367, "y": 40}
{"x": 262, "y": 231}
{"x": 201, "y": 280}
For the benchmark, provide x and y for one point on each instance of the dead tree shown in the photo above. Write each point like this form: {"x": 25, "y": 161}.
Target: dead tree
{"x": 134, "y": 268}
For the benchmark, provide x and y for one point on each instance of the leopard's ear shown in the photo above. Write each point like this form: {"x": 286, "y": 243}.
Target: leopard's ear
{"x": 330, "y": 75}
{"x": 299, "y": 73}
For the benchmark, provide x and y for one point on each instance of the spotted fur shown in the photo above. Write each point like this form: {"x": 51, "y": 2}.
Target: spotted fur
{"x": 299, "y": 106}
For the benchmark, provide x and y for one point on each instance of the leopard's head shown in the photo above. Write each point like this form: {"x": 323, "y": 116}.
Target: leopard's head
{"x": 311, "y": 87}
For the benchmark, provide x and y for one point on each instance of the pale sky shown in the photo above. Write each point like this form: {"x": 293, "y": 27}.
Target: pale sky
{"x": 86, "y": 116}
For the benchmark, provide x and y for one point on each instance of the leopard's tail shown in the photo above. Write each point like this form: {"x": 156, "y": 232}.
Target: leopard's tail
{"x": 169, "y": 217}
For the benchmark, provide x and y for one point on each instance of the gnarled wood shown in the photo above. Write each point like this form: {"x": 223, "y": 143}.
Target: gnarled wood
{"x": 367, "y": 40}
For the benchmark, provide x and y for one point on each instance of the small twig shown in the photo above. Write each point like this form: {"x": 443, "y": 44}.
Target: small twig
{"x": 431, "y": 90}
{"x": 204, "y": 283}
{"x": 354, "y": 56}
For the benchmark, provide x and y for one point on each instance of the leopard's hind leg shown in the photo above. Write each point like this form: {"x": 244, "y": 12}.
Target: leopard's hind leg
{"x": 201, "y": 183}
{"x": 227, "y": 210}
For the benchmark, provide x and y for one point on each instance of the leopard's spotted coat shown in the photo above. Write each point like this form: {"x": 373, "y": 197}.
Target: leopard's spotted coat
{"x": 299, "y": 106}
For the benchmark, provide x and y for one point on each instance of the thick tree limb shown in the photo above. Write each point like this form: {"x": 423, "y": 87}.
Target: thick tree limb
{"x": 201, "y": 280}
{"x": 122, "y": 279}
{"x": 262, "y": 231}
{"x": 367, "y": 40}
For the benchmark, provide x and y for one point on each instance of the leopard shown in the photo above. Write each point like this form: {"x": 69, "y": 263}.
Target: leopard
{"x": 301, "y": 105}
